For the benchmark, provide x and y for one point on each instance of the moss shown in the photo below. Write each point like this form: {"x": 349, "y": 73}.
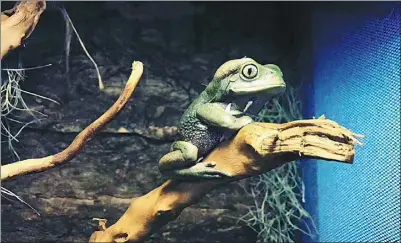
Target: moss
{"x": 277, "y": 213}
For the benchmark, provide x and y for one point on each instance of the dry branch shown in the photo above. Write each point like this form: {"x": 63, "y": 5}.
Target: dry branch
{"x": 257, "y": 148}
{"x": 40, "y": 164}
{"x": 19, "y": 26}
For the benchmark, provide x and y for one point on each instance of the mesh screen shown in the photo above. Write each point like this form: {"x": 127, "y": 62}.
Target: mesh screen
{"x": 357, "y": 84}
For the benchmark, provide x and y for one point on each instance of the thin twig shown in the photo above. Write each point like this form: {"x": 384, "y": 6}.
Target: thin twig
{"x": 5, "y": 191}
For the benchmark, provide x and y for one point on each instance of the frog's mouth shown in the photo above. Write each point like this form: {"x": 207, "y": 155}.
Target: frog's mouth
{"x": 259, "y": 86}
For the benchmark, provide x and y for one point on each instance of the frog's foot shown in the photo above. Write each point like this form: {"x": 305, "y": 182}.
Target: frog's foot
{"x": 228, "y": 107}
{"x": 203, "y": 170}
{"x": 240, "y": 122}
{"x": 249, "y": 104}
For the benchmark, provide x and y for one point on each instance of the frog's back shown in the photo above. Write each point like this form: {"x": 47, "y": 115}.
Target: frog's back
{"x": 193, "y": 130}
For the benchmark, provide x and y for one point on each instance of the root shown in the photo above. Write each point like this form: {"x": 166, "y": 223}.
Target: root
{"x": 7, "y": 194}
{"x": 69, "y": 24}
{"x": 12, "y": 103}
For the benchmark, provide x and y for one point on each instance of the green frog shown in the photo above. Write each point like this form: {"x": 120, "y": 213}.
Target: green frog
{"x": 239, "y": 86}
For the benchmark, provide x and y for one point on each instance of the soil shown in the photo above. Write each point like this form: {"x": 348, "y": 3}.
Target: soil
{"x": 181, "y": 45}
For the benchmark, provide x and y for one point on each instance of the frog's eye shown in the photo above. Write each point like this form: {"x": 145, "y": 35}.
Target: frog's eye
{"x": 250, "y": 71}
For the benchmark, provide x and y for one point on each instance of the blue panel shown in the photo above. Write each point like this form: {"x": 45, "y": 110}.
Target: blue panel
{"x": 357, "y": 84}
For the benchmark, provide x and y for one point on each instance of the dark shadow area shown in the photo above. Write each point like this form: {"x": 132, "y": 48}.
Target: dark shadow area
{"x": 181, "y": 44}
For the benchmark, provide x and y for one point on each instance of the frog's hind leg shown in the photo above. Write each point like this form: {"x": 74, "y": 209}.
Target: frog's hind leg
{"x": 182, "y": 155}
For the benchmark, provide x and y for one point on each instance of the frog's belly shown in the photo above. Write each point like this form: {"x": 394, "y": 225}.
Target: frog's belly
{"x": 204, "y": 138}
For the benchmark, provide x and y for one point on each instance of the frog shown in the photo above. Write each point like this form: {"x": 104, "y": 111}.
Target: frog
{"x": 239, "y": 88}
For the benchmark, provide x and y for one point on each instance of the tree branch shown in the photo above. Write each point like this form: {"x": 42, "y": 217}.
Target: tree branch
{"x": 41, "y": 164}
{"x": 19, "y": 26}
{"x": 257, "y": 148}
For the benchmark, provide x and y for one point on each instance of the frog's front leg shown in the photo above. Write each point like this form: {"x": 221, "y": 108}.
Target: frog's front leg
{"x": 216, "y": 115}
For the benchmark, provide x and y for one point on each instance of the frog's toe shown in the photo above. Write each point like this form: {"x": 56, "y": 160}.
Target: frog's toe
{"x": 212, "y": 173}
{"x": 210, "y": 164}
{"x": 215, "y": 176}
{"x": 206, "y": 169}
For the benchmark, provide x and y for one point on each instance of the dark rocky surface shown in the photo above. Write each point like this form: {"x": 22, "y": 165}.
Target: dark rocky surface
{"x": 181, "y": 45}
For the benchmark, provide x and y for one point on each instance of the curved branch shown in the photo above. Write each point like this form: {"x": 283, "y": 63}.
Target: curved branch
{"x": 257, "y": 148}
{"x": 19, "y": 26}
{"x": 41, "y": 164}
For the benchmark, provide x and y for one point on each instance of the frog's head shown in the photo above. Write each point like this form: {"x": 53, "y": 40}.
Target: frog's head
{"x": 246, "y": 77}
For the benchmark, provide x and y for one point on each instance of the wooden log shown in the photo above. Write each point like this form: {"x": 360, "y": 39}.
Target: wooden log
{"x": 257, "y": 148}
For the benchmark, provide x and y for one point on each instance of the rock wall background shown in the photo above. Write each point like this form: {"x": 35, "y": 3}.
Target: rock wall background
{"x": 181, "y": 45}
